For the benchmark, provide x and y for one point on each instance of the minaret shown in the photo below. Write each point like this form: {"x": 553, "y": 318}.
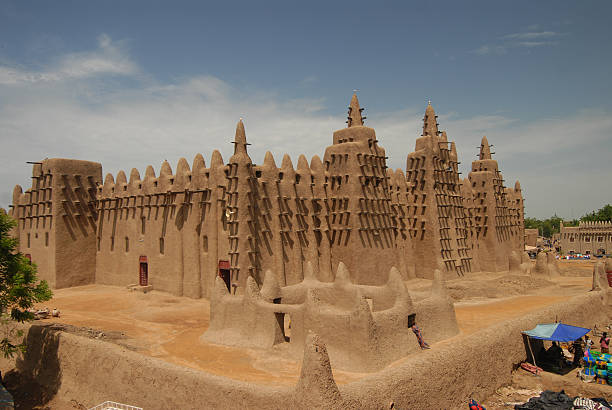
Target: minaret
{"x": 354, "y": 113}
{"x": 485, "y": 149}
{"x": 437, "y": 216}
{"x": 430, "y": 121}
{"x": 359, "y": 214}
{"x": 242, "y": 215}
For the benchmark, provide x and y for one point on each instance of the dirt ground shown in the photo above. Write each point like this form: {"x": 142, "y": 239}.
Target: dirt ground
{"x": 526, "y": 385}
{"x": 168, "y": 327}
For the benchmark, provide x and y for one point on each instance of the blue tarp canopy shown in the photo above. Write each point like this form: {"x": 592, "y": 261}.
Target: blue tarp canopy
{"x": 558, "y": 332}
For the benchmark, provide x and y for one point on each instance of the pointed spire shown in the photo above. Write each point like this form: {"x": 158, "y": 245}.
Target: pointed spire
{"x": 121, "y": 178}
{"x": 316, "y": 164}
{"x": 303, "y": 163}
{"x": 287, "y": 165}
{"x": 240, "y": 142}
{"x": 485, "y": 149}
{"x": 166, "y": 169}
{"x": 269, "y": 160}
{"x": 134, "y": 176}
{"x": 216, "y": 159}
{"x": 149, "y": 172}
{"x": 354, "y": 113}
{"x": 517, "y": 187}
{"x": 198, "y": 164}
{"x": 430, "y": 123}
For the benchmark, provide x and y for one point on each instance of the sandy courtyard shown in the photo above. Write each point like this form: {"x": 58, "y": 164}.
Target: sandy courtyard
{"x": 168, "y": 327}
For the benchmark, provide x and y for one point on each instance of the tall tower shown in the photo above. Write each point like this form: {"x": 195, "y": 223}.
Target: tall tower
{"x": 243, "y": 215}
{"x": 438, "y": 216}
{"x": 359, "y": 214}
{"x": 57, "y": 220}
{"x": 491, "y": 212}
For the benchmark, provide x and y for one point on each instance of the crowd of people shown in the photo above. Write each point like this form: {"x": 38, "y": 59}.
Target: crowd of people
{"x": 554, "y": 354}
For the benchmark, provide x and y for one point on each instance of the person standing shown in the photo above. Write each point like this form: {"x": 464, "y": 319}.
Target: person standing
{"x": 576, "y": 349}
{"x": 605, "y": 343}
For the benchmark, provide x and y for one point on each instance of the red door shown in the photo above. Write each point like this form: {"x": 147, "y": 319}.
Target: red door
{"x": 143, "y": 271}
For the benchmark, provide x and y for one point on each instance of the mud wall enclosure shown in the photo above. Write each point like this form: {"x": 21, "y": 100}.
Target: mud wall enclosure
{"x": 93, "y": 371}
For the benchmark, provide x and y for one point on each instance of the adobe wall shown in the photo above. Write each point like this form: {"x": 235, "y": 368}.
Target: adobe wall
{"x": 57, "y": 220}
{"x": 473, "y": 366}
{"x": 92, "y": 371}
{"x": 175, "y": 221}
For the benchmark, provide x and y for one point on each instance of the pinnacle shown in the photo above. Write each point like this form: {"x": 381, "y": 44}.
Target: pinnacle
{"x": 240, "y": 138}
{"x": 485, "y": 149}
{"x": 354, "y": 113}
{"x": 430, "y": 125}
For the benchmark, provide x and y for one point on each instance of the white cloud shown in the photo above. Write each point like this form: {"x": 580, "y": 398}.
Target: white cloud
{"x": 531, "y": 35}
{"x": 107, "y": 59}
{"x": 489, "y": 49}
{"x": 558, "y": 160}
{"x": 525, "y": 39}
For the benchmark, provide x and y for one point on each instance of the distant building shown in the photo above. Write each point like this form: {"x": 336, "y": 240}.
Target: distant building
{"x": 531, "y": 236}
{"x": 588, "y": 238}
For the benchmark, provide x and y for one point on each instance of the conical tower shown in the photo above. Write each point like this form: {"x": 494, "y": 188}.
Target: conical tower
{"x": 437, "y": 220}
{"x": 359, "y": 214}
{"x": 242, "y": 215}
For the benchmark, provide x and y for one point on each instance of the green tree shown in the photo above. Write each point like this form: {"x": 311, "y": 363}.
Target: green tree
{"x": 19, "y": 287}
{"x": 603, "y": 214}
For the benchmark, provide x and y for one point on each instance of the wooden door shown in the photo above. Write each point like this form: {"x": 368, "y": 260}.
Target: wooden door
{"x": 143, "y": 273}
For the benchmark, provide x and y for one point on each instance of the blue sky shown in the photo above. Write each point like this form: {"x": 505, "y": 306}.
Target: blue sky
{"x": 133, "y": 83}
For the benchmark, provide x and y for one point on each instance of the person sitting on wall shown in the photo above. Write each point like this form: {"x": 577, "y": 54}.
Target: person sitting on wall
{"x": 419, "y": 336}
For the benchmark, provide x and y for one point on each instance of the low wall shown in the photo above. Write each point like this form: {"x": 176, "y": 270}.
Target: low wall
{"x": 92, "y": 371}
{"x": 470, "y": 367}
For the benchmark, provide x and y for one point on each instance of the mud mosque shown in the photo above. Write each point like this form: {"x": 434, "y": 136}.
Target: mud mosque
{"x": 178, "y": 231}
{"x": 330, "y": 241}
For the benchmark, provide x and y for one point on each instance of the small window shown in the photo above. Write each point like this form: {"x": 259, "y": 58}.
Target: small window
{"x": 161, "y": 245}
{"x": 587, "y": 239}
{"x": 127, "y": 244}
{"x": 297, "y": 178}
{"x": 205, "y": 243}
{"x": 600, "y": 239}
{"x": 46, "y": 238}
{"x": 28, "y": 240}
{"x": 143, "y": 223}
{"x": 258, "y": 174}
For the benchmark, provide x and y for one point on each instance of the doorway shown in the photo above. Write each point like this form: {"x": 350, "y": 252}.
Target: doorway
{"x": 143, "y": 272}
{"x": 224, "y": 273}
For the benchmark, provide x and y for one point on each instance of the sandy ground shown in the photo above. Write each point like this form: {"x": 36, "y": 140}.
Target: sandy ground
{"x": 526, "y": 385}
{"x": 168, "y": 327}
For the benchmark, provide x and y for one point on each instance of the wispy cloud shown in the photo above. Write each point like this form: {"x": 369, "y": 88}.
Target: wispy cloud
{"x": 530, "y": 35}
{"x": 524, "y": 39}
{"x": 107, "y": 59}
{"x": 146, "y": 122}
